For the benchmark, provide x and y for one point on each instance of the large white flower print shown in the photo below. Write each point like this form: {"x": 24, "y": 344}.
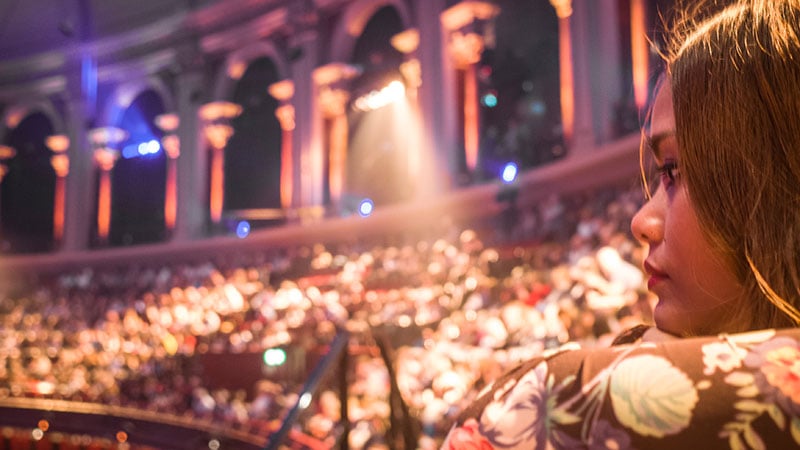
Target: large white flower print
{"x": 520, "y": 419}
{"x": 651, "y": 396}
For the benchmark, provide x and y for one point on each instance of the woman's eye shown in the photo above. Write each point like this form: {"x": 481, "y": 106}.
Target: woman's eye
{"x": 669, "y": 171}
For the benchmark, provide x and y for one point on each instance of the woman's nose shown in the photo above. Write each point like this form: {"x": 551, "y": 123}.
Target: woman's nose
{"x": 647, "y": 224}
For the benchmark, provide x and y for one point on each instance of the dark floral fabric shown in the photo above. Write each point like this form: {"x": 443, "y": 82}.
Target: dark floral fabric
{"x": 739, "y": 391}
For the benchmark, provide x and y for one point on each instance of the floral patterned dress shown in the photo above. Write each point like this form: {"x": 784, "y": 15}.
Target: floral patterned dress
{"x": 739, "y": 391}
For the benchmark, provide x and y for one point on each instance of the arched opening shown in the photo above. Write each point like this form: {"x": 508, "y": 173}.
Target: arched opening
{"x": 27, "y": 191}
{"x": 518, "y": 78}
{"x": 377, "y": 156}
{"x": 253, "y": 154}
{"x": 139, "y": 176}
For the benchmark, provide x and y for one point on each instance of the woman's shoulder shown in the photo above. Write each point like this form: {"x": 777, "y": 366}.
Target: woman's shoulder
{"x": 738, "y": 391}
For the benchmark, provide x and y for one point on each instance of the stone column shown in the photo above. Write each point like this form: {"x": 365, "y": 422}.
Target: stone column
{"x": 437, "y": 97}
{"x": 216, "y": 118}
{"x": 466, "y": 45}
{"x": 59, "y": 144}
{"x": 307, "y": 139}
{"x": 583, "y": 138}
{"x": 576, "y": 103}
{"x": 607, "y": 71}
{"x": 332, "y": 98}
{"x": 192, "y": 168}
{"x": 283, "y": 91}
{"x": 79, "y": 189}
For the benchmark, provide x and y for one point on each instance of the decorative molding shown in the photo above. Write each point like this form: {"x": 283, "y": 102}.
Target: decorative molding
{"x": 242, "y": 34}
{"x": 144, "y": 66}
{"x": 41, "y": 87}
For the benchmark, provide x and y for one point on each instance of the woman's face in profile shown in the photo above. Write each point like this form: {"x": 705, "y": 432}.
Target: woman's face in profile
{"x": 695, "y": 287}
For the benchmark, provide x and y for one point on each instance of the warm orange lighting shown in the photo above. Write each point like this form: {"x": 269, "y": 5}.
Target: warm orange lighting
{"x": 338, "y": 157}
{"x": 567, "y": 88}
{"x": 465, "y": 12}
{"x": 639, "y": 53}
{"x": 217, "y": 184}
{"x": 170, "y": 142}
{"x": 105, "y": 156}
{"x": 122, "y": 436}
{"x": 7, "y": 152}
{"x": 220, "y": 110}
{"x": 168, "y": 122}
{"x": 60, "y": 164}
{"x": 285, "y": 114}
{"x": 407, "y": 41}
{"x": 170, "y": 196}
{"x": 563, "y": 8}
{"x": 466, "y": 48}
{"x": 43, "y": 425}
{"x": 105, "y": 159}
{"x": 58, "y": 143}
{"x": 104, "y": 205}
{"x": 471, "y": 117}
{"x": 334, "y": 72}
{"x": 332, "y": 103}
{"x": 237, "y": 70}
{"x": 466, "y": 51}
{"x": 217, "y": 117}
{"x": 58, "y": 210}
{"x": 282, "y": 90}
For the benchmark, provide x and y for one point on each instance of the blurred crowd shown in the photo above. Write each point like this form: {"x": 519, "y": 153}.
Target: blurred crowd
{"x": 458, "y": 308}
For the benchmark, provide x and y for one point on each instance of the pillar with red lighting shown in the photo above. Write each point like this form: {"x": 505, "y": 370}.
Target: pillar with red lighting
{"x": 170, "y": 142}
{"x": 59, "y": 144}
{"x": 283, "y": 91}
{"x": 104, "y": 141}
{"x": 566, "y": 72}
{"x": 640, "y": 52}
{"x": 216, "y": 118}
{"x": 465, "y": 46}
{"x": 332, "y": 98}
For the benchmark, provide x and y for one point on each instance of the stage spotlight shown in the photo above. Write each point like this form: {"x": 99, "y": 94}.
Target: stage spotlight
{"x": 509, "y": 173}
{"x": 243, "y": 229}
{"x": 366, "y": 207}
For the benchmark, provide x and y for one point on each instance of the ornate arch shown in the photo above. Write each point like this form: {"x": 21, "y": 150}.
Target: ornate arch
{"x": 237, "y": 62}
{"x": 355, "y": 19}
{"x": 19, "y": 111}
{"x": 125, "y": 93}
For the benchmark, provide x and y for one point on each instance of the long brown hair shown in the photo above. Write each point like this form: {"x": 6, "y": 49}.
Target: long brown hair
{"x": 735, "y": 76}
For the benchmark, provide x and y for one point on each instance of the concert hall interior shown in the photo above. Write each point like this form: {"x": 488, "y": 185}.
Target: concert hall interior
{"x": 243, "y": 224}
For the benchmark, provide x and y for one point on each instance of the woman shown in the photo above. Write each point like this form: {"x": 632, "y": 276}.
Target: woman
{"x": 723, "y": 230}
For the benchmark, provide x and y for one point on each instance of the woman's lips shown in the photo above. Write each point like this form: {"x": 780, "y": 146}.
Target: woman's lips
{"x": 656, "y": 276}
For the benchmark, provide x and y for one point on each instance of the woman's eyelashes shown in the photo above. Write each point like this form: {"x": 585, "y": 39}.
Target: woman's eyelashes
{"x": 668, "y": 172}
